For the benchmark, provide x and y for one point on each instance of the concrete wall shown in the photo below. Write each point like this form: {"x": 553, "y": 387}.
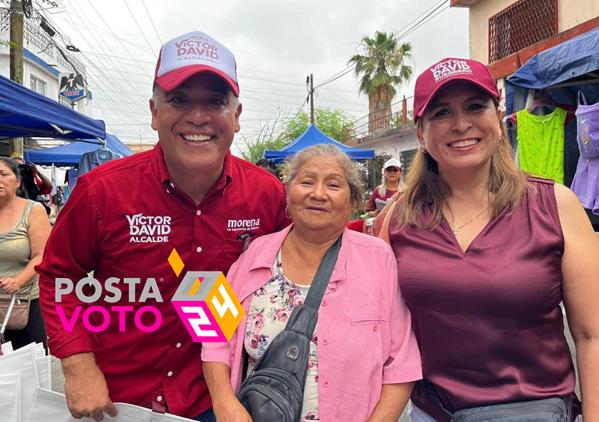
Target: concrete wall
{"x": 393, "y": 144}
{"x": 570, "y": 14}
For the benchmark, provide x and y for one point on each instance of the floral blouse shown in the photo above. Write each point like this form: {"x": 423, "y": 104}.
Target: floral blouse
{"x": 269, "y": 311}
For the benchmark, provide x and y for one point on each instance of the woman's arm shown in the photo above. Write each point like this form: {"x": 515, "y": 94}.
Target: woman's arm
{"x": 39, "y": 230}
{"x": 224, "y": 402}
{"x": 392, "y": 402}
{"x": 580, "y": 269}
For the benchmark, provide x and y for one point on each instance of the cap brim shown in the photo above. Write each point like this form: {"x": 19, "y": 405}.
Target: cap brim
{"x": 494, "y": 94}
{"x": 173, "y": 79}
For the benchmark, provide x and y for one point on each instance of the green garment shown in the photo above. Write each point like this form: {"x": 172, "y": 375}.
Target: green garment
{"x": 541, "y": 143}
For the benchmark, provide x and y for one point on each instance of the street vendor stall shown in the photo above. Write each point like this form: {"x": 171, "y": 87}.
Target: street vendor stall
{"x": 552, "y": 113}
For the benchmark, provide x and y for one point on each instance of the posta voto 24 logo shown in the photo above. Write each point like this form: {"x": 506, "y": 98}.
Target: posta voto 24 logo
{"x": 204, "y": 301}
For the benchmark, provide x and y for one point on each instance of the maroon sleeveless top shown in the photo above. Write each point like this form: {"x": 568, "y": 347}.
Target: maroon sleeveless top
{"x": 488, "y": 321}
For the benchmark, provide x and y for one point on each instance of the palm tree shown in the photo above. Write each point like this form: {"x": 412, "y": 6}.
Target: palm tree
{"x": 382, "y": 68}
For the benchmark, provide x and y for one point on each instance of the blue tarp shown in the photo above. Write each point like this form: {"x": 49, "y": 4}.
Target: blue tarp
{"x": 574, "y": 58}
{"x": 561, "y": 72}
{"x": 70, "y": 154}
{"x": 314, "y": 136}
{"x": 24, "y": 112}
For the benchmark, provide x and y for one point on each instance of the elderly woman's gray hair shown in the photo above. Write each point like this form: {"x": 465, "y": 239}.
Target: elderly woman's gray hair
{"x": 295, "y": 163}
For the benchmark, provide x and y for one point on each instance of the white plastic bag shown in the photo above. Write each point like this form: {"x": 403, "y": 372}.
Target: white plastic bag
{"x": 49, "y": 406}
{"x": 10, "y": 390}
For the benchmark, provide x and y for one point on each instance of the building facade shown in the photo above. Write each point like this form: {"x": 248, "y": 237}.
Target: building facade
{"x": 44, "y": 62}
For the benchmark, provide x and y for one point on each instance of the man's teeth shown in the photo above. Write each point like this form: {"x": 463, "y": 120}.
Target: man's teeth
{"x": 197, "y": 137}
{"x": 464, "y": 143}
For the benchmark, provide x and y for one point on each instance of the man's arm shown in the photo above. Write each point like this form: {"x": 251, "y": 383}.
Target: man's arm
{"x": 85, "y": 387}
{"x": 71, "y": 252}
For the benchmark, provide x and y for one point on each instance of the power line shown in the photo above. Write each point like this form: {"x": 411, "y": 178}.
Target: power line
{"x": 113, "y": 33}
{"x": 407, "y": 29}
{"x": 151, "y": 21}
{"x": 137, "y": 23}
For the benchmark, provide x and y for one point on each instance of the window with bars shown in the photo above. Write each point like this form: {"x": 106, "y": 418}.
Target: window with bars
{"x": 520, "y": 25}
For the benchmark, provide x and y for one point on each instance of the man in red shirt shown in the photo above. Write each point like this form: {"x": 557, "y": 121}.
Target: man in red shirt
{"x": 124, "y": 219}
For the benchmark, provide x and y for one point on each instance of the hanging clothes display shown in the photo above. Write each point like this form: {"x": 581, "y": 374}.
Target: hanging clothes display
{"x": 541, "y": 143}
{"x": 586, "y": 180}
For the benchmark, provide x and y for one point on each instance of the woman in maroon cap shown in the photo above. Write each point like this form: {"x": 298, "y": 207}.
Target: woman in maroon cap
{"x": 485, "y": 256}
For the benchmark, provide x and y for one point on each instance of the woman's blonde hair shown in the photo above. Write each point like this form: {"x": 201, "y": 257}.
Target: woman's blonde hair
{"x": 426, "y": 189}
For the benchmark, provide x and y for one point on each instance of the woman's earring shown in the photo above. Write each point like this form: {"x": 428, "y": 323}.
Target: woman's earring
{"x": 422, "y": 149}
{"x": 287, "y": 212}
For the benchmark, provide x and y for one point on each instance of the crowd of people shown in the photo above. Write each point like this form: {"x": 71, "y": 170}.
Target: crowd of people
{"x": 455, "y": 306}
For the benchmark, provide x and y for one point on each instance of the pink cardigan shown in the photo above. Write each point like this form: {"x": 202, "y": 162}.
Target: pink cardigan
{"x": 365, "y": 334}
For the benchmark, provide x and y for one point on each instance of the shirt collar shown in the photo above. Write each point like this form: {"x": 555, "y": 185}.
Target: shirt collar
{"x": 265, "y": 257}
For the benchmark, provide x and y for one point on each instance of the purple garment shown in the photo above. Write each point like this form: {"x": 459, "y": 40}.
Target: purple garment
{"x": 586, "y": 180}
{"x": 488, "y": 320}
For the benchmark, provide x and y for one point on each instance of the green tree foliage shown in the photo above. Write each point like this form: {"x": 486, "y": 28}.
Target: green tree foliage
{"x": 335, "y": 123}
{"x": 382, "y": 68}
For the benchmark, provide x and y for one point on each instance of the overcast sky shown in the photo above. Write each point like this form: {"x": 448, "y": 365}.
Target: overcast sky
{"x": 276, "y": 44}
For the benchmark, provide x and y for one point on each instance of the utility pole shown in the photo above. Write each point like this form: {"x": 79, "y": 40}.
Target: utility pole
{"x": 310, "y": 83}
{"x": 16, "y": 61}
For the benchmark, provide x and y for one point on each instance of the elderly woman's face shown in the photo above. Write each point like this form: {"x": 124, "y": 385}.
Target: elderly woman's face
{"x": 460, "y": 128}
{"x": 319, "y": 195}
{"x": 8, "y": 181}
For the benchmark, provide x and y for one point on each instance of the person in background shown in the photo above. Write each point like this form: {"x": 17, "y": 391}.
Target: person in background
{"x": 24, "y": 229}
{"x": 391, "y": 183}
{"x": 486, "y": 255}
{"x": 126, "y": 218}
{"x": 363, "y": 356}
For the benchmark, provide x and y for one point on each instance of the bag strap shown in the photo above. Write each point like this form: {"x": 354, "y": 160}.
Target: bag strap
{"x": 582, "y": 100}
{"x": 315, "y": 294}
{"x": 322, "y": 276}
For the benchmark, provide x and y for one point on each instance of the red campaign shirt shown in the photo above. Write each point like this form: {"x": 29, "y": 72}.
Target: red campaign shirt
{"x": 371, "y": 205}
{"x": 93, "y": 232}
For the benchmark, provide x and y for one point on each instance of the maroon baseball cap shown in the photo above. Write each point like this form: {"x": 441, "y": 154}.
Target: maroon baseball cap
{"x": 447, "y": 70}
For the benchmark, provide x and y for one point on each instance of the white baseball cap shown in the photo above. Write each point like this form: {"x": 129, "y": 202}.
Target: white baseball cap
{"x": 392, "y": 162}
{"x": 191, "y": 53}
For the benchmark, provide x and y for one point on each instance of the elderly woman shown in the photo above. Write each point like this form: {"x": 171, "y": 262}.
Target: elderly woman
{"x": 24, "y": 229}
{"x": 486, "y": 256}
{"x": 363, "y": 357}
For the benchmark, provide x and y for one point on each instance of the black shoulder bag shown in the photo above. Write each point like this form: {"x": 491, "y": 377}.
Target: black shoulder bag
{"x": 274, "y": 391}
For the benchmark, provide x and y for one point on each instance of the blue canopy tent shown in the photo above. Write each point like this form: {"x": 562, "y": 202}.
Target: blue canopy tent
{"x": 24, "y": 112}
{"x": 313, "y": 136}
{"x": 70, "y": 154}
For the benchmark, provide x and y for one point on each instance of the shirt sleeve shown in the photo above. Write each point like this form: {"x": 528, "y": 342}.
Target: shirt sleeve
{"x": 70, "y": 253}
{"x": 370, "y": 205}
{"x": 223, "y": 352}
{"x": 282, "y": 218}
{"x": 403, "y": 363}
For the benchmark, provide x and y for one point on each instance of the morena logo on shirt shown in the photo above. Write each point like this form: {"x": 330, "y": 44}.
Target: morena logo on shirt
{"x": 148, "y": 228}
{"x": 239, "y": 224}
{"x": 204, "y": 301}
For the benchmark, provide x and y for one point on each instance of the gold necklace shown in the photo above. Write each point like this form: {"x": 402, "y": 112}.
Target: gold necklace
{"x": 456, "y": 229}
